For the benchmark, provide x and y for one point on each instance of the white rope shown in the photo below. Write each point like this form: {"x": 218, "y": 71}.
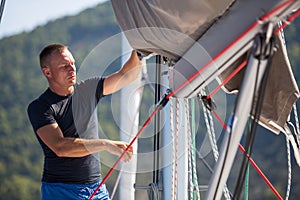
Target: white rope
{"x": 194, "y": 168}
{"x": 297, "y": 124}
{"x": 191, "y": 161}
{"x": 210, "y": 134}
{"x": 195, "y": 176}
{"x": 190, "y": 173}
{"x": 155, "y": 193}
{"x": 212, "y": 138}
{"x": 226, "y": 190}
{"x": 174, "y": 134}
{"x": 176, "y": 148}
{"x": 288, "y": 150}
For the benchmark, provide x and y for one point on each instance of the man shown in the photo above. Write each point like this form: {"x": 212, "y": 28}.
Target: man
{"x": 64, "y": 120}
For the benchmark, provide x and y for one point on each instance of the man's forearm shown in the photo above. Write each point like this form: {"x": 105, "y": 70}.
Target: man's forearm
{"x": 78, "y": 147}
{"x": 132, "y": 67}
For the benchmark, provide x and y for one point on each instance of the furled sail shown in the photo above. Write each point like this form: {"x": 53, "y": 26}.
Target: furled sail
{"x": 193, "y": 32}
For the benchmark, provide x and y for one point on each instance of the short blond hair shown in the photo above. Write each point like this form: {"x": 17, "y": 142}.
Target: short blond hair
{"x": 46, "y": 52}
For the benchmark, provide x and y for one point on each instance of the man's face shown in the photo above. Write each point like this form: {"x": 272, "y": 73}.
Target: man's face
{"x": 61, "y": 70}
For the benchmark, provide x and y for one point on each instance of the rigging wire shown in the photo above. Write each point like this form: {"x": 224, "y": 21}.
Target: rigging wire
{"x": 268, "y": 50}
{"x": 206, "y": 164}
{"x": 2, "y": 9}
{"x": 144, "y": 80}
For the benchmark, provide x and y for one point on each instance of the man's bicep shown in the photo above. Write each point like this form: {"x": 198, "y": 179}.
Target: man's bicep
{"x": 51, "y": 135}
{"x": 114, "y": 82}
{"x": 40, "y": 114}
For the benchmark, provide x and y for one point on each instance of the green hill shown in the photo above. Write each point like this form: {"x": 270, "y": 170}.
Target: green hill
{"x": 21, "y": 81}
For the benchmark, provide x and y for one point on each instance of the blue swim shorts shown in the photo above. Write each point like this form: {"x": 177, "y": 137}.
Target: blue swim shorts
{"x": 62, "y": 191}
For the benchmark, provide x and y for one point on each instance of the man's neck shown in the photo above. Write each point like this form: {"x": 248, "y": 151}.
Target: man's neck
{"x": 62, "y": 91}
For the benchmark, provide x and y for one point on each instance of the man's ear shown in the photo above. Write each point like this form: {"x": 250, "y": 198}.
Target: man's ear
{"x": 46, "y": 72}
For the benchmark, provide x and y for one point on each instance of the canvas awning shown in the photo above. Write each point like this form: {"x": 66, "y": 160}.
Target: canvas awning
{"x": 192, "y": 32}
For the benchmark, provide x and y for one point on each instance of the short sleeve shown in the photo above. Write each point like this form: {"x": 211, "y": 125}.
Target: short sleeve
{"x": 90, "y": 90}
{"x": 99, "y": 91}
{"x": 84, "y": 106}
{"x": 40, "y": 114}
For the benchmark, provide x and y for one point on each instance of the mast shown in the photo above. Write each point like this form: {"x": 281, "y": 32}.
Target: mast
{"x": 174, "y": 147}
{"x": 129, "y": 121}
{"x": 166, "y": 146}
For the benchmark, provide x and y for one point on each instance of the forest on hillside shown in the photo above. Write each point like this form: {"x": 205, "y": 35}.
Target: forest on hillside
{"x": 21, "y": 157}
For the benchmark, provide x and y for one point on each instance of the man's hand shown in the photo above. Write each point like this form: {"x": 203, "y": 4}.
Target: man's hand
{"x": 118, "y": 147}
{"x": 62, "y": 146}
{"x": 128, "y": 73}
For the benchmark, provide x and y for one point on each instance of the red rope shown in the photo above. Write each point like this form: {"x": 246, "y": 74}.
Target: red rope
{"x": 288, "y": 21}
{"x": 241, "y": 66}
{"x": 125, "y": 151}
{"x": 256, "y": 23}
{"x": 275, "y": 10}
{"x": 262, "y": 175}
{"x": 265, "y": 17}
{"x": 213, "y": 60}
{"x": 219, "y": 119}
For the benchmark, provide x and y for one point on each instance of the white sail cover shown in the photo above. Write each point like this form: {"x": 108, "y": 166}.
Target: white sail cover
{"x": 171, "y": 28}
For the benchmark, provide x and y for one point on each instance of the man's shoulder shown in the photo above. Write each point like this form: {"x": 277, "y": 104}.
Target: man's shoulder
{"x": 90, "y": 86}
{"x": 40, "y": 113}
{"x": 36, "y": 105}
{"x": 38, "y": 101}
{"x": 91, "y": 81}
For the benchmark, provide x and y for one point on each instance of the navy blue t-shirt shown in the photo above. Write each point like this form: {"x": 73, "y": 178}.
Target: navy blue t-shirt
{"x": 76, "y": 115}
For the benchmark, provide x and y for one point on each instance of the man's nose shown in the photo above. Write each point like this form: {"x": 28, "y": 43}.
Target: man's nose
{"x": 72, "y": 68}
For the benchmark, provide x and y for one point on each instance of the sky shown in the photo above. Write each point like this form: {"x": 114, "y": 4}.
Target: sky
{"x": 21, "y": 15}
